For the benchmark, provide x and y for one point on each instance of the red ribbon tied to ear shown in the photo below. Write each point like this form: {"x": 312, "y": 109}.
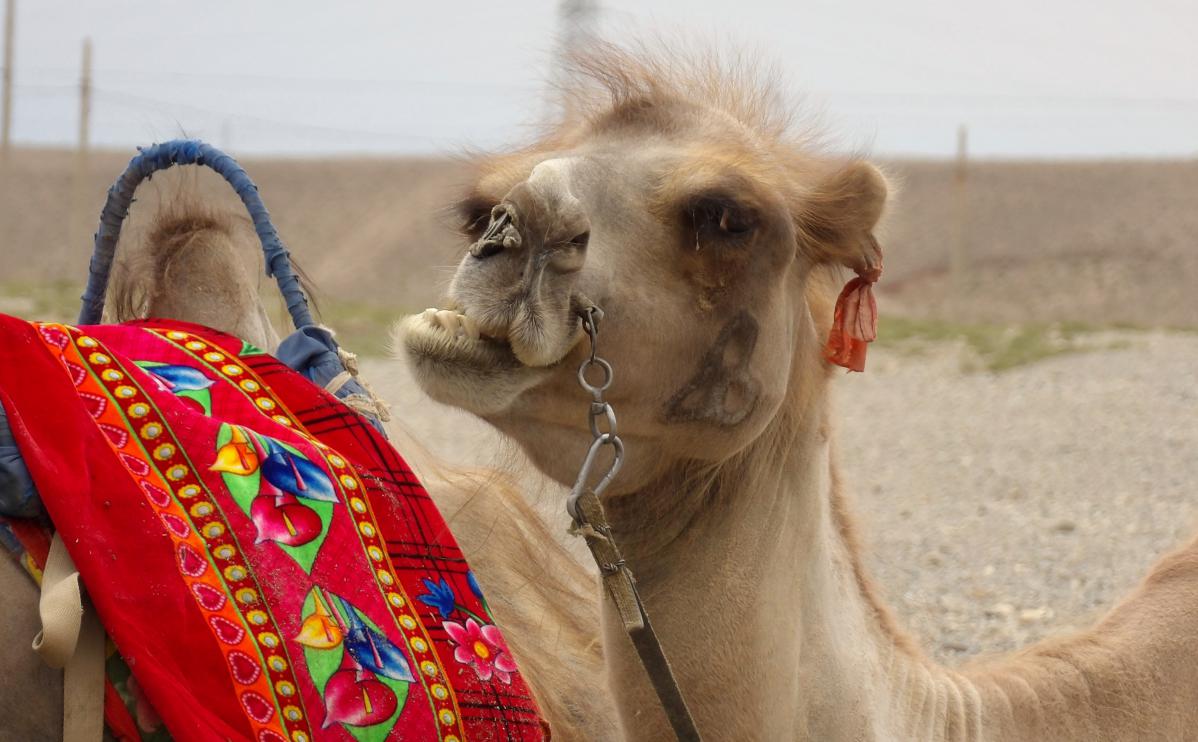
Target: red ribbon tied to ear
{"x": 855, "y": 323}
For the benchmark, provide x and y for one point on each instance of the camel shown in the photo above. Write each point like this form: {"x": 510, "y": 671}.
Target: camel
{"x": 674, "y": 196}
{"x": 191, "y": 269}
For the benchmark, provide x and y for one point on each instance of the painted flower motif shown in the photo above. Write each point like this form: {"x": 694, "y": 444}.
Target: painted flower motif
{"x": 371, "y": 650}
{"x": 439, "y": 596}
{"x": 357, "y": 699}
{"x": 474, "y": 587}
{"x": 320, "y": 630}
{"x": 189, "y": 385}
{"x": 238, "y": 456}
{"x": 481, "y": 647}
{"x": 295, "y": 474}
{"x": 284, "y": 519}
{"x": 359, "y": 687}
{"x": 179, "y": 378}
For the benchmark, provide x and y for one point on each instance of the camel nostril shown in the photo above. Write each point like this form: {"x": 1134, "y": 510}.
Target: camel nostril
{"x": 484, "y": 249}
{"x": 501, "y": 234}
{"x": 580, "y": 240}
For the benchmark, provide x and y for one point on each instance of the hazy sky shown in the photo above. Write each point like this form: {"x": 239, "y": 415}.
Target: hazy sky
{"x": 1029, "y": 77}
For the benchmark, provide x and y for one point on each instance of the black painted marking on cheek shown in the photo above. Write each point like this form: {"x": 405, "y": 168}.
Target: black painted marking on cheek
{"x": 721, "y": 391}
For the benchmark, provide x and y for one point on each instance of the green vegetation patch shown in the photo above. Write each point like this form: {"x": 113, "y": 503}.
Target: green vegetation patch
{"x": 56, "y": 301}
{"x": 365, "y": 327}
{"x": 361, "y": 327}
{"x": 996, "y": 347}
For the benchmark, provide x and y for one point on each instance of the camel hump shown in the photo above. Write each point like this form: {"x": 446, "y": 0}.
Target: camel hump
{"x": 194, "y": 264}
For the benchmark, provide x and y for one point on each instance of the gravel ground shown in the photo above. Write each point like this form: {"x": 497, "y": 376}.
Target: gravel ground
{"x": 997, "y": 508}
{"x": 1002, "y": 508}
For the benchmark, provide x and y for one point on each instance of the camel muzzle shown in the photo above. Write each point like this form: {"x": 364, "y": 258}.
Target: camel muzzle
{"x": 541, "y": 215}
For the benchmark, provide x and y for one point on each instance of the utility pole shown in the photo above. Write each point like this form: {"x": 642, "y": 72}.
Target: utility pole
{"x": 959, "y": 259}
{"x": 962, "y": 153}
{"x": 77, "y": 230}
{"x": 85, "y": 99}
{"x": 578, "y": 19}
{"x": 10, "y": 12}
{"x": 577, "y": 22}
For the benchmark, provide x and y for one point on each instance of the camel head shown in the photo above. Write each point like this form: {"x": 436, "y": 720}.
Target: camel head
{"x": 677, "y": 203}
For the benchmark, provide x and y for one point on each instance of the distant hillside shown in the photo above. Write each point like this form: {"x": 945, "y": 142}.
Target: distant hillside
{"x": 1095, "y": 242}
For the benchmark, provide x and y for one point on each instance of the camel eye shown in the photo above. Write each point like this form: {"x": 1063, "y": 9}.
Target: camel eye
{"x": 733, "y": 222}
{"x": 719, "y": 219}
{"x": 579, "y": 240}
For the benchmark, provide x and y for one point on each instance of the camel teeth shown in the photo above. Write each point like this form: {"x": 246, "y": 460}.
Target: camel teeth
{"x": 462, "y": 325}
{"x": 448, "y": 320}
{"x": 469, "y": 326}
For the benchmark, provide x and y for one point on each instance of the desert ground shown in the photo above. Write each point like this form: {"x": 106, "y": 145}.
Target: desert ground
{"x": 1023, "y": 446}
{"x": 1105, "y": 243}
{"x": 996, "y": 508}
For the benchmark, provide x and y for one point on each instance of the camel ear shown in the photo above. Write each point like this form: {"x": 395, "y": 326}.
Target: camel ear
{"x": 838, "y": 216}
{"x": 836, "y": 225}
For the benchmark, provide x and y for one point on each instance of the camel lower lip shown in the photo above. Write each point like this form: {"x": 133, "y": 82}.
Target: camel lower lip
{"x": 432, "y": 342}
{"x": 475, "y": 373}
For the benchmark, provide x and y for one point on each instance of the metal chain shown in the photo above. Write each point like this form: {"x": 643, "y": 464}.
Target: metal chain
{"x": 599, "y": 416}
{"x": 590, "y": 522}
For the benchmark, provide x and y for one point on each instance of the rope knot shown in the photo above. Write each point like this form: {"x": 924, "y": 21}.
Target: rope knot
{"x": 855, "y": 322}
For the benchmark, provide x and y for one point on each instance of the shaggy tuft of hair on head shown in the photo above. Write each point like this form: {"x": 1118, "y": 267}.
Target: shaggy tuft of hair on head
{"x": 646, "y": 83}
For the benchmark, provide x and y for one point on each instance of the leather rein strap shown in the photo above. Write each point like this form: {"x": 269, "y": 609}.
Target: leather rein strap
{"x": 590, "y": 522}
{"x": 620, "y": 586}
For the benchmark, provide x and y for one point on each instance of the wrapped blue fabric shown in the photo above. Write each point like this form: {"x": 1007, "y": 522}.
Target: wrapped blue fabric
{"x": 18, "y": 496}
{"x": 312, "y": 352}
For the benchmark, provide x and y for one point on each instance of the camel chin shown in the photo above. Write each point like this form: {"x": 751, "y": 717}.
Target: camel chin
{"x": 456, "y": 365}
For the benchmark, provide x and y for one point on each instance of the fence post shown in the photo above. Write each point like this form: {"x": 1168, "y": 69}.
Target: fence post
{"x": 80, "y": 214}
{"x": 959, "y": 258}
{"x": 10, "y": 12}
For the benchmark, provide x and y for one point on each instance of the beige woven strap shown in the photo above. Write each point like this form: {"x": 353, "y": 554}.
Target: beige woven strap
{"x": 368, "y": 403}
{"x": 72, "y": 638}
{"x": 337, "y": 382}
{"x": 60, "y": 607}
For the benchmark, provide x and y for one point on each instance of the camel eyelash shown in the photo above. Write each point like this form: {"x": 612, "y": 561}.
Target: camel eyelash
{"x": 718, "y": 217}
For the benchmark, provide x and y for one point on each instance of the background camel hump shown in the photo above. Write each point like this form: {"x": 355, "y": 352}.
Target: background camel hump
{"x": 192, "y": 262}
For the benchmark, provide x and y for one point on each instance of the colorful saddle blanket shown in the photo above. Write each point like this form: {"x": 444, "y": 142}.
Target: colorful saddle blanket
{"x": 266, "y": 564}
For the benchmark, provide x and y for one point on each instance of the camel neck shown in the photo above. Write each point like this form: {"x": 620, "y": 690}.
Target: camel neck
{"x": 754, "y": 590}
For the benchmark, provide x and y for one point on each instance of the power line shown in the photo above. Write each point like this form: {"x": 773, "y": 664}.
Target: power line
{"x": 154, "y": 105}
{"x": 10, "y": 10}
{"x": 450, "y": 87}
{"x": 251, "y": 77}
{"x": 1109, "y": 101}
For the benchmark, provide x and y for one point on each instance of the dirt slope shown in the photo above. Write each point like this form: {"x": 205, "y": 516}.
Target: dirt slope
{"x": 1096, "y": 242}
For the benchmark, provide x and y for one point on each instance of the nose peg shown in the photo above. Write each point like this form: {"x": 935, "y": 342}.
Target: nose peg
{"x": 501, "y": 234}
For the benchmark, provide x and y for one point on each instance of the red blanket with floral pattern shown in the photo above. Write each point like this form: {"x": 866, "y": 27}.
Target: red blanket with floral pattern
{"x": 267, "y": 565}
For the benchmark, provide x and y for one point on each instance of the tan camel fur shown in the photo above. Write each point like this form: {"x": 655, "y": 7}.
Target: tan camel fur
{"x": 715, "y": 241}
